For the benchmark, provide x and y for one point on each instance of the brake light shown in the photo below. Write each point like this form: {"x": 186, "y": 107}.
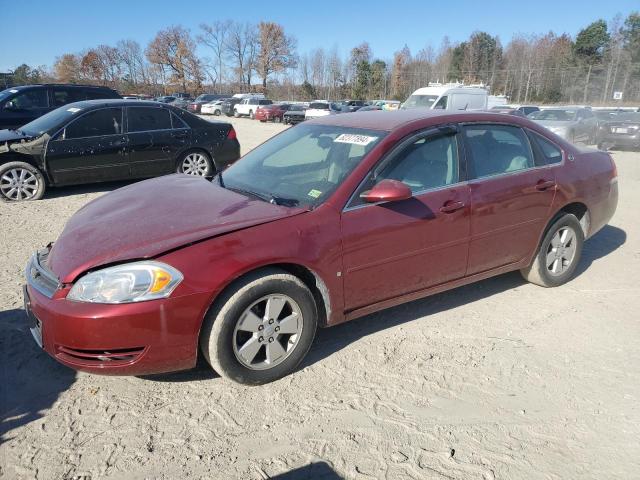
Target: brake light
{"x": 231, "y": 134}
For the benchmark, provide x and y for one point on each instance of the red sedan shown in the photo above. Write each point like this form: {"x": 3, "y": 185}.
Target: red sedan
{"x": 274, "y": 112}
{"x": 326, "y": 222}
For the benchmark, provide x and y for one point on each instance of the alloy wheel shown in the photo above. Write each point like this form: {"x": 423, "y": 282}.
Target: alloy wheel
{"x": 19, "y": 184}
{"x": 267, "y": 332}
{"x": 195, "y": 164}
{"x": 561, "y": 251}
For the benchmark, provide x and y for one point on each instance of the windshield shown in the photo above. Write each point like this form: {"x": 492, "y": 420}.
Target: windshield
{"x": 51, "y": 120}
{"x": 302, "y": 165}
{"x": 420, "y": 101}
{"x": 554, "y": 115}
{"x": 319, "y": 106}
{"x": 7, "y": 93}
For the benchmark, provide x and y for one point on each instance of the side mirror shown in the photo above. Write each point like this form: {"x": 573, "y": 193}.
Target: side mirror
{"x": 387, "y": 191}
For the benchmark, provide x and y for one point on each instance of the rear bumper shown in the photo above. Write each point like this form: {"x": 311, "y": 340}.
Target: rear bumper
{"x": 227, "y": 154}
{"x": 129, "y": 339}
{"x": 622, "y": 140}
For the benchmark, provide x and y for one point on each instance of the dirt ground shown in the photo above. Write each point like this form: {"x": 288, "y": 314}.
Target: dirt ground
{"x": 497, "y": 380}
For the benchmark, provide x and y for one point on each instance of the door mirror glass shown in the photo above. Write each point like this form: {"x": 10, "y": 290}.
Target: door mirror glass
{"x": 387, "y": 191}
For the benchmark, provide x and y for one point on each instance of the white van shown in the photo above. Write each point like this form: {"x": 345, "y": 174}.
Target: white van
{"x": 448, "y": 97}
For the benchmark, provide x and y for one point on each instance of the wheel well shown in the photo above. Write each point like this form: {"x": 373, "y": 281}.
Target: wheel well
{"x": 581, "y": 212}
{"x": 311, "y": 280}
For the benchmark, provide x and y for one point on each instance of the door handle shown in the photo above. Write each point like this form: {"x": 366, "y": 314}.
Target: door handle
{"x": 451, "y": 206}
{"x": 543, "y": 185}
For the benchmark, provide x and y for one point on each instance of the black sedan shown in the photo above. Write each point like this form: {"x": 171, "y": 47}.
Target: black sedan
{"x": 106, "y": 140}
{"x": 294, "y": 115}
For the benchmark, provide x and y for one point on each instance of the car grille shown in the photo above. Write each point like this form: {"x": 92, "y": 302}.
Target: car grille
{"x": 99, "y": 357}
{"x": 39, "y": 277}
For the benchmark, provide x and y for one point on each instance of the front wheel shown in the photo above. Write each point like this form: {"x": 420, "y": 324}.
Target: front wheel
{"x": 277, "y": 119}
{"x": 559, "y": 253}
{"x": 196, "y": 163}
{"x": 216, "y": 113}
{"x": 20, "y": 181}
{"x": 235, "y": 113}
{"x": 261, "y": 329}
{"x": 251, "y": 115}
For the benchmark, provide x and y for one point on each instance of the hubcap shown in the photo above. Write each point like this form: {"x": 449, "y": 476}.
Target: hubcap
{"x": 19, "y": 184}
{"x": 561, "y": 251}
{"x": 195, "y": 164}
{"x": 267, "y": 332}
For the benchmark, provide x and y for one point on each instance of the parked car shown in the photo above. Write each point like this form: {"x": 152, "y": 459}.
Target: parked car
{"x": 248, "y": 106}
{"x": 322, "y": 108}
{"x": 328, "y": 221}
{"x": 182, "y": 95}
{"x": 229, "y": 104}
{"x": 622, "y": 130}
{"x": 572, "y": 124}
{"x": 20, "y": 105}
{"x": 104, "y": 140}
{"x": 294, "y": 115}
{"x": 507, "y": 111}
{"x": 181, "y": 102}
{"x": 196, "y": 105}
{"x": 213, "y": 108}
{"x": 448, "y": 97}
{"x": 165, "y": 99}
{"x": 348, "y": 106}
{"x": 368, "y": 108}
{"x": 524, "y": 109}
{"x": 274, "y": 112}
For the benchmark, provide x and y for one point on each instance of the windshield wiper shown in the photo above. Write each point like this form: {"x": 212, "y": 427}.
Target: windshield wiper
{"x": 269, "y": 198}
{"x": 287, "y": 202}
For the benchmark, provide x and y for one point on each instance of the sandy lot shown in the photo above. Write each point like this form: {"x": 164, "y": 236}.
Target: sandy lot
{"x": 497, "y": 380}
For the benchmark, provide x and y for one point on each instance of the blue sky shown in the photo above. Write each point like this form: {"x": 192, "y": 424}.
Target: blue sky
{"x": 41, "y": 30}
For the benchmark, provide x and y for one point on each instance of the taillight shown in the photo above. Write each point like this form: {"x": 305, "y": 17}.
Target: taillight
{"x": 231, "y": 134}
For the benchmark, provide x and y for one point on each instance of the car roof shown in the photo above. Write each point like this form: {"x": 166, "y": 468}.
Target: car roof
{"x": 114, "y": 102}
{"x": 392, "y": 120}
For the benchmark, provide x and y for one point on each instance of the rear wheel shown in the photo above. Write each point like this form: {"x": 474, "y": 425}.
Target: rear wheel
{"x": 251, "y": 115}
{"x": 559, "y": 253}
{"x": 260, "y": 329}
{"x": 196, "y": 163}
{"x": 235, "y": 113}
{"x": 217, "y": 113}
{"x": 20, "y": 181}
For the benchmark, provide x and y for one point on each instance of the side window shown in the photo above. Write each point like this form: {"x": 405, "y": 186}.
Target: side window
{"x": 442, "y": 104}
{"x": 107, "y": 121}
{"x": 62, "y": 96}
{"x": 427, "y": 163}
{"x": 177, "y": 122}
{"x": 144, "y": 119}
{"x": 497, "y": 149}
{"x": 548, "y": 151}
{"x": 30, "y": 100}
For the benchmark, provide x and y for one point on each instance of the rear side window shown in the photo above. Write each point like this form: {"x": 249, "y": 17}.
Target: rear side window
{"x": 62, "y": 96}
{"x": 143, "y": 119}
{"x": 497, "y": 149}
{"x": 548, "y": 151}
{"x": 107, "y": 121}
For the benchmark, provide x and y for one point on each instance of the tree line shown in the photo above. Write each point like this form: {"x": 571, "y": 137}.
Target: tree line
{"x": 604, "y": 57}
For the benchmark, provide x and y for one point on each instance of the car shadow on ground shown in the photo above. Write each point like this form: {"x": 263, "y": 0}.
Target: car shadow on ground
{"x": 331, "y": 340}
{"x": 30, "y": 380}
{"x": 318, "y": 470}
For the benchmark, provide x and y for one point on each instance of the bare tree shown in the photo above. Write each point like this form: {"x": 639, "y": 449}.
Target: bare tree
{"x": 175, "y": 49}
{"x": 241, "y": 47}
{"x": 133, "y": 62}
{"x": 215, "y": 36}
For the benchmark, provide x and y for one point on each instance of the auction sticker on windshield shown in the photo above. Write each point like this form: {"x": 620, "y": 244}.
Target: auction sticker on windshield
{"x": 355, "y": 139}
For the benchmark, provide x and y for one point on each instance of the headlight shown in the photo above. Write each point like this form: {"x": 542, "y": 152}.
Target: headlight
{"x": 131, "y": 282}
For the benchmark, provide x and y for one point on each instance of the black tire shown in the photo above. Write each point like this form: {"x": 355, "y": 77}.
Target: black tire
{"x": 218, "y": 332}
{"x": 277, "y": 119}
{"x": 12, "y": 172}
{"x": 210, "y": 167}
{"x": 251, "y": 115}
{"x": 235, "y": 113}
{"x": 216, "y": 113}
{"x": 539, "y": 272}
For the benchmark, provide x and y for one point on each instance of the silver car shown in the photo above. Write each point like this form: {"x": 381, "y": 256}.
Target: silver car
{"x": 572, "y": 124}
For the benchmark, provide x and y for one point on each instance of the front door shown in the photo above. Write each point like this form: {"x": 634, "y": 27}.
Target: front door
{"x": 395, "y": 248}
{"x": 510, "y": 196}
{"x": 92, "y": 148}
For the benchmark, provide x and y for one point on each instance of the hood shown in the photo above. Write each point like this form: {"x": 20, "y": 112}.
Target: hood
{"x": 152, "y": 217}
{"x": 555, "y": 123}
{"x": 12, "y": 135}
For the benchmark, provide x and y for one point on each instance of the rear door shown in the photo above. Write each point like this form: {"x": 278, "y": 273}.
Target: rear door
{"x": 153, "y": 142}
{"x": 395, "y": 248}
{"x": 91, "y": 148}
{"x": 510, "y": 195}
